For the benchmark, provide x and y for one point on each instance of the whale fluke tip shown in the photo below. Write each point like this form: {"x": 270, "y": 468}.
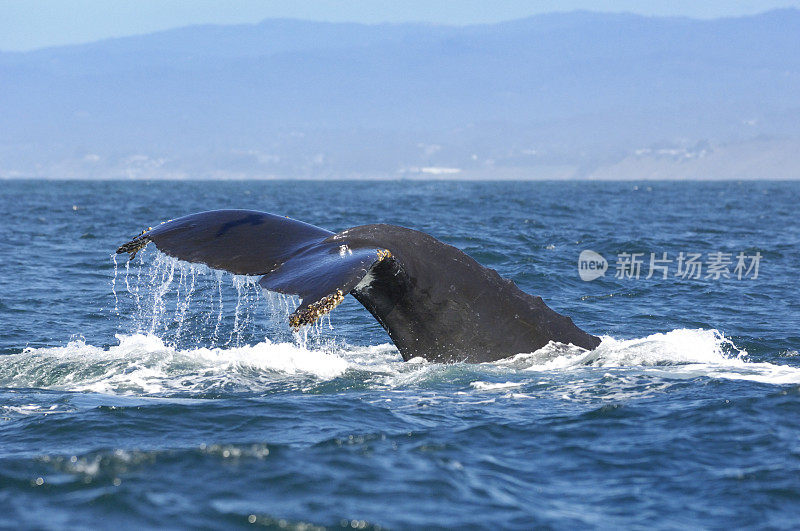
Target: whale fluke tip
{"x": 134, "y": 246}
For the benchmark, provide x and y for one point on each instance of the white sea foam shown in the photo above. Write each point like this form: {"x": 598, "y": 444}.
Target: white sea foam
{"x": 681, "y": 346}
{"x": 495, "y": 386}
{"x": 143, "y": 364}
{"x": 681, "y": 353}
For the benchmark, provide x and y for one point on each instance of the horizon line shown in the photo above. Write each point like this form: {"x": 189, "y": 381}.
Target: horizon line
{"x": 390, "y": 23}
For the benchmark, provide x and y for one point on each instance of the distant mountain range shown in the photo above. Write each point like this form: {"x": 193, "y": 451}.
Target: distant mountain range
{"x": 553, "y": 96}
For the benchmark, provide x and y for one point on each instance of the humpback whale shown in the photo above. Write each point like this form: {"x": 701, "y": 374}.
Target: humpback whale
{"x": 433, "y": 300}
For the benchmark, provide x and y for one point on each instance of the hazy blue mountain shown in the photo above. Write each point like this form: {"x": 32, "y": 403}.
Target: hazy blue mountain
{"x": 561, "y": 95}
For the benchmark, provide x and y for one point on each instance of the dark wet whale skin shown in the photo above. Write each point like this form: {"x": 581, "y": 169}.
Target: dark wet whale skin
{"x": 438, "y": 303}
{"x": 434, "y": 301}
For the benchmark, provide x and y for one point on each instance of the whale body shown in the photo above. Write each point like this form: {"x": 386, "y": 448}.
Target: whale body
{"x": 433, "y": 300}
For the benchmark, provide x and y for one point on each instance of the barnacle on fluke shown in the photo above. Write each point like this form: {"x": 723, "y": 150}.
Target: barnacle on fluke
{"x": 138, "y": 243}
{"x": 135, "y": 245}
{"x": 315, "y": 310}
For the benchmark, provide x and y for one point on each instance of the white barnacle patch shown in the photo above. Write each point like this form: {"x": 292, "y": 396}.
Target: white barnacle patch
{"x": 343, "y": 250}
{"x": 315, "y": 310}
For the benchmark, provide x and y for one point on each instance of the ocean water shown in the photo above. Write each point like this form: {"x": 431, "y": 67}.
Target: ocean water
{"x": 157, "y": 394}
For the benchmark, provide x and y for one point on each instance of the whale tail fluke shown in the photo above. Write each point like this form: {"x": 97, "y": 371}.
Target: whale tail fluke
{"x": 321, "y": 275}
{"x": 294, "y": 258}
{"x": 432, "y": 299}
{"x": 244, "y": 242}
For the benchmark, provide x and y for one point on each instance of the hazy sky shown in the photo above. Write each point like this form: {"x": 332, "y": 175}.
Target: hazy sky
{"x": 28, "y": 24}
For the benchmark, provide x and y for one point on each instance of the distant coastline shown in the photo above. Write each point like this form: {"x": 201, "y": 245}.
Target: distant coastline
{"x": 577, "y": 95}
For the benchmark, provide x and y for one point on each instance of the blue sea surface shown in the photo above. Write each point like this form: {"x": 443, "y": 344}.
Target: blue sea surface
{"x": 158, "y": 394}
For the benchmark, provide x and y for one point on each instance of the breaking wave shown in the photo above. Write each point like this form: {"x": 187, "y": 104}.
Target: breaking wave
{"x": 145, "y": 365}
